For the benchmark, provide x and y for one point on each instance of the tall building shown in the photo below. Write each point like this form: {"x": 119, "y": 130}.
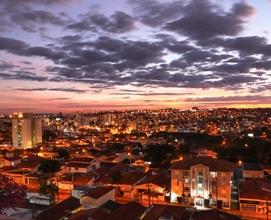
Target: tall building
{"x": 26, "y": 130}
{"x": 202, "y": 179}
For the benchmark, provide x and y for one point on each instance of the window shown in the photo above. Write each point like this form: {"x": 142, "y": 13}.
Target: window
{"x": 200, "y": 182}
{"x": 248, "y": 207}
{"x": 213, "y": 174}
{"x": 224, "y": 179}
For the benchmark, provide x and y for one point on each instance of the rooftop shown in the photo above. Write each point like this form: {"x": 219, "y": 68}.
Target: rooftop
{"x": 213, "y": 164}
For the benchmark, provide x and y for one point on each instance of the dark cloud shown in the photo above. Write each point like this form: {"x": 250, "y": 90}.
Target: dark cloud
{"x": 203, "y": 20}
{"x": 119, "y": 22}
{"x": 23, "y": 76}
{"x": 6, "y": 66}
{"x": 44, "y": 52}
{"x": 248, "y": 98}
{"x": 21, "y": 48}
{"x": 141, "y": 93}
{"x": 155, "y": 13}
{"x": 210, "y": 57}
{"x": 72, "y": 90}
{"x": 31, "y": 20}
{"x": 12, "y": 45}
{"x": 58, "y": 99}
{"x": 250, "y": 45}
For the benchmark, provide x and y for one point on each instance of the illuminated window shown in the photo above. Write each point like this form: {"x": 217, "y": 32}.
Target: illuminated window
{"x": 213, "y": 174}
{"x": 200, "y": 182}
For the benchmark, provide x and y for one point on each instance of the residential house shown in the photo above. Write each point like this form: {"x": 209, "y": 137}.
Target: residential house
{"x": 60, "y": 210}
{"x": 255, "y": 196}
{"x": 154, "y": 188}
{"x": 125, "y": 185}
{"x": 97, "y": 196}
{"x": 252, "y": 170}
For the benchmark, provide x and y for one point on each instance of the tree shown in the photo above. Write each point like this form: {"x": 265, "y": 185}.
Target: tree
{"x": 48, "y": 135}
{"x": 47, "y": 187}
{"x": 63, "y": 153}
{"x": 160, "y": 155}
{"x": 184, "y": 149}
{"x": 10, "y": 193}
{"x": 49, "y": 166}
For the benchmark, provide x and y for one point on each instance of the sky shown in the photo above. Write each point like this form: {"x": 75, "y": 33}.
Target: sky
{"x": 89, "y": 55}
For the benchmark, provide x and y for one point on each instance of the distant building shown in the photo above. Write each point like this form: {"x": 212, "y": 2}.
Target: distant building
{"x": 26, "y": 130}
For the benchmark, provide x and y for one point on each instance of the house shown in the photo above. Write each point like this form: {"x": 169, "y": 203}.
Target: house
{"x": 97, "y": 196}
{"x": 30, "y": 163}
{"x": 39, "y": 199}
{"x": 163, "y": 212}
{"x": 79, "y": 191}
{"x": 125, "y": 185}
{"x": 47, "y": 154}
{"x": 111, "y": 211}
{"x": 70, "y": 180}
{"x": 60, "y": 210}
{"x": 93, "y": 162}
{"x": 110, "y": 172}
{"x": 153, "y": 188}
{"x": 9, "y": 161}
{"x": 128, "y": 211}
{"x": 212, "y": 214}
{"x": 113, "y": 157}
{"x": 171, "y": 212}
{"x": 252, "y": 170}
{"x": 254, "y": 195}
{"x": 202, "y": 181}
{"x": 81, "y": 165}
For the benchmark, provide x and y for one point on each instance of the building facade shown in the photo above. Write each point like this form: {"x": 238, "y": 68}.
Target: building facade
{"x": 26, "y": 130}
{"x": 202, "y": 181}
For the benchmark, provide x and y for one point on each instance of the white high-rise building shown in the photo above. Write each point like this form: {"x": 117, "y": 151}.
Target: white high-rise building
{"x": 26, "y": 130}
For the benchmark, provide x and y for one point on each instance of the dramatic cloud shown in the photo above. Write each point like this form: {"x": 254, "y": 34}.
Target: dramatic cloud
{"x": 12, "y": 45}
{"x": 31, "y": 20}
{"x": 72, "y": 90}
{"x": 203, "y": 20}
{"x": 151, "y": 48}
{"x": 248, "y": 98}
{"x": 23, "y": 76}
{"x": 155, "y": 13}
{"x": 119, "y": 22}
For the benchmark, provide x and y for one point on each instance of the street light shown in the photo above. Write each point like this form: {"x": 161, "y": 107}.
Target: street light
{"x": 130, "y": 156}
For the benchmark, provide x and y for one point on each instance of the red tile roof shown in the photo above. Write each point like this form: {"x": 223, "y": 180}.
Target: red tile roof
{"x": 213, "y": 215}
{"x": 261, "y": 189}
{"x": 159, "y": 179}
{"x": 78, "y": 165}
{"x": 98, "y": 192}
{"x": 212, "y": 163}
{"x": 130, "y": 178}
{"x": 129, "y": 211}
{"x": 176, "y": 212}
{"x": 60, "y": 209}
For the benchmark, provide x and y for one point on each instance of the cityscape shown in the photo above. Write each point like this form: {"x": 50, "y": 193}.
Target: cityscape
{"x": 135, "y": 110}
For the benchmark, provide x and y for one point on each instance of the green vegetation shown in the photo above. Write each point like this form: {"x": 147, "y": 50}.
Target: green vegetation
{"x": 160, "y": 155}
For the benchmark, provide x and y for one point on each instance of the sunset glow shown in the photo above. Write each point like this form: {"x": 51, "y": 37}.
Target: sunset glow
{"x": 81, "y": 55}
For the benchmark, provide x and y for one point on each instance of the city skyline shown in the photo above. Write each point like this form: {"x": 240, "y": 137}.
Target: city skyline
{"x": 81, "y": 55}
